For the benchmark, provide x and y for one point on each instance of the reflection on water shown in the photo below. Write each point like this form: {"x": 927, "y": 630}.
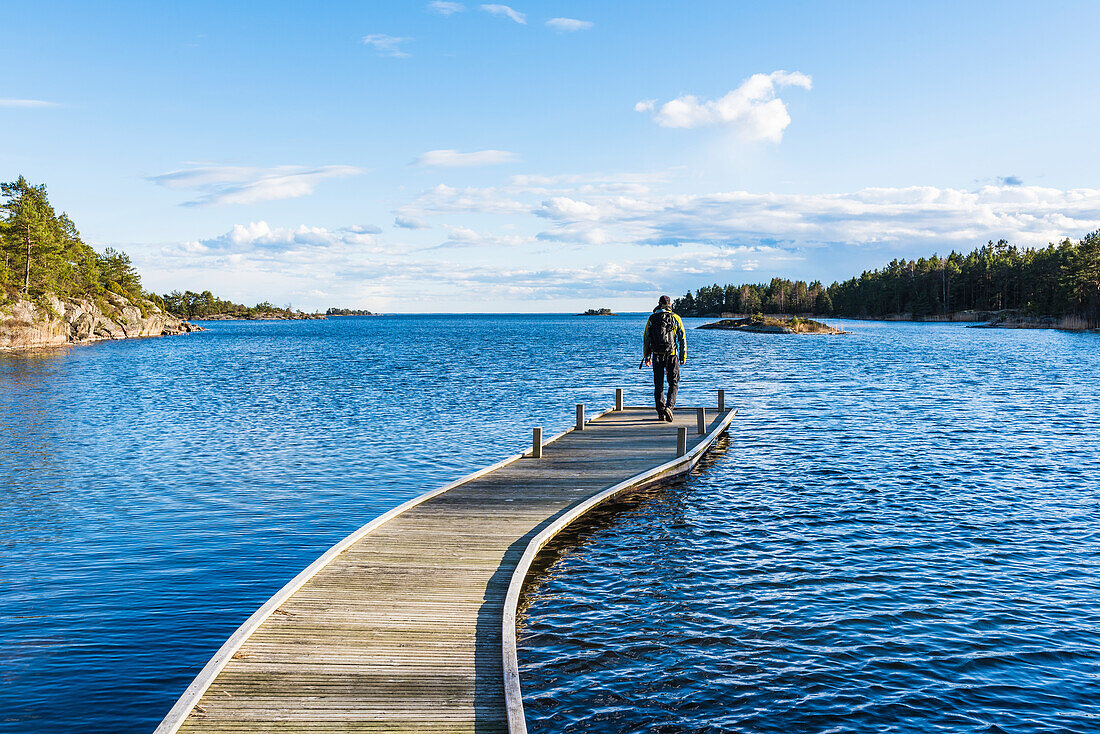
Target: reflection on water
{"x": 901, "y": 536}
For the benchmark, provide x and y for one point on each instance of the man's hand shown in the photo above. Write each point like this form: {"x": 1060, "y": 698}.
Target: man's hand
{"x": 648, "y": 362}
{"x": 683, "y": 360}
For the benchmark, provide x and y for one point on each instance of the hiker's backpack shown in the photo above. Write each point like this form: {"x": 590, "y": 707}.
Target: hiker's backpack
{"x": 662, "y": 332}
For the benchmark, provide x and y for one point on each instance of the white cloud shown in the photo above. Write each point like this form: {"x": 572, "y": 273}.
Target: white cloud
{"x": 26, "y": 103}
{"x": 455, "y": 159}
{"x": 460, "y": 236}
{"x": 220, "y": 185}
{"x": 633, "y": 213}
{"x": 410, "y": 223}
{"x": 363, "y": 229}
{"x": 565, "y": 209}
{"x": 538, "y": 238}
{"x": 507, "y": 12}
{"x": 752, "y": 110}
{"x": 569, "y": 24}
{"x": 256, "y": 261}
{"x": 446, "y": 8}
{"x": 386, "y": 45}
{"x": 259, "y": 238}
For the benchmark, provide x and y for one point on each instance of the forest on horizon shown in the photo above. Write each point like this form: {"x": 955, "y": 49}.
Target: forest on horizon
{"x": 1057, "y": 280}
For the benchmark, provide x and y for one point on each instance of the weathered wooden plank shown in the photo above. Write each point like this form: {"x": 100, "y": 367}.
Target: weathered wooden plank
{"x": 400, "y": 630}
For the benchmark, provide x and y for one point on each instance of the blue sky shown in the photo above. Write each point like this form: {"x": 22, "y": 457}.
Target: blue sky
{"x": 548, "y": 156}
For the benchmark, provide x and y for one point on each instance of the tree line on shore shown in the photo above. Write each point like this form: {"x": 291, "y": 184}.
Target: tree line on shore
{"x": 41, "y": 252}
{"x": 1060, "y": 279}
{"x": 192, "y": 305}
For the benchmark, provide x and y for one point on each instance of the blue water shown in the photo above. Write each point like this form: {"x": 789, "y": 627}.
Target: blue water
{"x": 902, "y": 534}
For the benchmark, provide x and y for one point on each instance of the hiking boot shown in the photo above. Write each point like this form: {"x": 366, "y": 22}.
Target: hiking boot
{"x": 667, "y": 415}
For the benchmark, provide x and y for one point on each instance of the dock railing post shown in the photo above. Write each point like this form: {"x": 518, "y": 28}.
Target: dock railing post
{"x": 580, "y": 416}
{"x": 701, "y": 420}
{"x": 681, "y": 440}
{"x": 536, "y": 443}
{"x": 618, "y": 398}
{"x": 721, "y": 401}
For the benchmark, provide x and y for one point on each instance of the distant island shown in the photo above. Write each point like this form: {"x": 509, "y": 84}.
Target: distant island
{"x": 761, "y": 324}
{"x": 1009, "y": 287}
{"x": 598, "y": 312}
{"x": 56, "y": 290}
{"x": 206, "y": 306}
{"x": 348, "y": 312}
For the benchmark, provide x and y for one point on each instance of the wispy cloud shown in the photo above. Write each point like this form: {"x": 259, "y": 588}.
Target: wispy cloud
{"x": 455, "y": 159}
{"x": 569, "y": 24}
{"x": 752, "y": 110}
{"x": 357, "y": 268}
{"x": 220, "y": 185}
{"x": 1010, "y": 181}
{"x": 540, "y": 237}
{"x": 459, "y": 236}
{"x": 445, "y": 8}
{"x": 26, "y": 103}
{"x": 505, "y": 12}
{"x": 386, "y": 45}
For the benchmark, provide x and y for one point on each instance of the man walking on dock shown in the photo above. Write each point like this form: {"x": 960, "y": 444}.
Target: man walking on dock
{"x": 664, "y": 346}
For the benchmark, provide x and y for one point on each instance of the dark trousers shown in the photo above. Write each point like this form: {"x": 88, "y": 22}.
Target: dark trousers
{"x": 665, "y": 367}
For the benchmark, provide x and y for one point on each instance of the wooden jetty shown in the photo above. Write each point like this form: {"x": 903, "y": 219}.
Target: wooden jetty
{"x": 409, "y": 623}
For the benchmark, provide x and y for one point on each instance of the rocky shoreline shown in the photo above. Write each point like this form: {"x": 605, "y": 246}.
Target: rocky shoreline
{"x": 261, "y": 316}
{"x": 1009, "y": 320}
{"x": 53, "y": 321}
{"x": 1005, "y": 319}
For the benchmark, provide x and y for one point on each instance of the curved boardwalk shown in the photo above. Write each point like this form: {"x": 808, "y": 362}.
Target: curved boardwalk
{"x": 399, "y": 628}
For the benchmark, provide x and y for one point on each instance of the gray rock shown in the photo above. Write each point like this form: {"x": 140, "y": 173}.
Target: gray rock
{"x": 52, "y": 321}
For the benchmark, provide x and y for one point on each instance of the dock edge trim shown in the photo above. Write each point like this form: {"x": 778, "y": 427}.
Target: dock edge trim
{"x": 183, "y": 707}
{"x": 513, "y": 696}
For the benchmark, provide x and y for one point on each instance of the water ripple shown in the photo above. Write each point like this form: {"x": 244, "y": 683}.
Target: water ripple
{"x": 902, "y": 535}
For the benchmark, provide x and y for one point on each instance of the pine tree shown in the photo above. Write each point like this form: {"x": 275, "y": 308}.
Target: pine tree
{"x": 1084, "y": 276}
{"x": 32, "y": 236}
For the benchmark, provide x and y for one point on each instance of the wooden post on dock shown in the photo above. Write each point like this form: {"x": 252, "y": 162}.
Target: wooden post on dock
{"x": 580, "y": 416}
{"x": 681, "y": 440}
{"x": 701, "y": 420}
{"x": 618, "y": 398}
{"x": 536, "y": 443}
{"x": 721, "y": 401}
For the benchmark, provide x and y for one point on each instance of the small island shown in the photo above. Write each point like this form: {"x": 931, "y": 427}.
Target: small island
{"x": 260, "y": 313}
{"x": 348, "y": 312}
{"x": 598, "y": 312}
{"x": 770, "y": 325}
